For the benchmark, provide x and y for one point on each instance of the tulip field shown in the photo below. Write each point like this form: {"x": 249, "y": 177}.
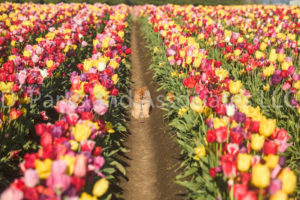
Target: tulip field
{"x": 231, "y": 79}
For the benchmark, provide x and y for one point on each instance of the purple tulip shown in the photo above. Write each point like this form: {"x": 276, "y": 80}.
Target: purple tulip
{"x": 56, "y": 131}
{"x": 276, "y": 79}
{"x": 83, "y": 77}
{"x": 239, "y": 117}
{"x": 294, "y": 102}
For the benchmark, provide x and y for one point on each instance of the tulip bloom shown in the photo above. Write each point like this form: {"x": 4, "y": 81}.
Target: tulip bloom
{"x": 261, "y": 176}
{"x": 267, "y": 127}
{"x": 100, "y": 187}
{"x": 43, "y": 168}
{"x": 80, "y": 166}
{"x": 289, "y": 180}
{"x": 235, "y": 87}
{"x": 197, "y": 105}
{"x": 257, "y": 142}
{"x": 81, "y": 132}
{"x": 244, "y": 162}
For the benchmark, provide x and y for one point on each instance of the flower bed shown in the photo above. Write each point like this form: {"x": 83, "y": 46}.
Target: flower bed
{"x": 79, "y": 147}
{"x": 231, "y": 149}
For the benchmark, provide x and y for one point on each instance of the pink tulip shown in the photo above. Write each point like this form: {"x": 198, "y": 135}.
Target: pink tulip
{"x": 275, "y": 186}
{"x": 21, "y": 76}
{"x": 87, "y": 145}
{"x": 72, "y": 118}
{"x": 31, "y": 178}
{"x": 11, "y": 193}
{"x": 59, "y": 182}
{"x": 35, "y": 58}
{"x": 275, "y": 172}
{"x": 286, "y": 86}
{"x": 98, "y": 162}
{"x": 80, "y": 165}
{"x": 84, "y": 44}
{"x": 58, "y": 167}
{"x": 172, "y": 62}
{"x": 100, "y": 107}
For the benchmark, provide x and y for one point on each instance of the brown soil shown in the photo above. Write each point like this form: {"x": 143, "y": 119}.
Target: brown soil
{"x": 153, "y": 156}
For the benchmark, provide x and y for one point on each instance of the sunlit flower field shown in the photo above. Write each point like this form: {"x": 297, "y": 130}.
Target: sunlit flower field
{"x": 231, "y": 79}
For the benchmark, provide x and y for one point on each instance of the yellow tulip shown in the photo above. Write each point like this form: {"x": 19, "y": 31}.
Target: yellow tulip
{"x": 268, "y": 71}
{"x": 288, "y": 179}
{"x": 74, "y": 145}
{"x": 235, "y": 87}
{"x": 197, "y": 105}
{"x": 105, "y": 43}
{"x": 10, "y": 99}
{"x": 263, "y": 46}
{"x": 200, "y": 152}
{"x": 197, "y": 62}
{"x": 281, "y": 57}
{"x": 49, "y": 63}
{"x": 279, "y": 195}
{"x": 260, "y": 176}
{"x": 220, "y": 122}
{"x": 81, "y": 132}
{"x": 257, "y": 141}
{"x": 109, "y": 127}
{"x": 86, "y": 196}
{"x": 43, "y": 168}
{"x": 297, "y": 85}
{"x": 237, "y": 52}
{"x": 271, "y": 160}
{"x": 70, "y": 161}
{"x": 115, "y": 78}
{"x": 221, "y": 73}
{"x": 244, "y": 162}
{"x": 189, "y": 60}
{"x": 259, "y": 55}
{"x": 267, "y": 126}
{"x": 24, "y": 111}
{"x": 27, "y": 53}
{"x": 285, "y": 66}
{"x": 100, "y": 187}
{"x": 273, "y": 57}
{"x": 6, "y": 87}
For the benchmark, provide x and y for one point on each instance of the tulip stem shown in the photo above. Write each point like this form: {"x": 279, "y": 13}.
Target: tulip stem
{"x": 260, "y": 197}
{"x": 231, "y": 192}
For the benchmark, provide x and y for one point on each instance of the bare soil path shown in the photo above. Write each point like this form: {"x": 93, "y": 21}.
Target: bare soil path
{"x": 153, "y": 155}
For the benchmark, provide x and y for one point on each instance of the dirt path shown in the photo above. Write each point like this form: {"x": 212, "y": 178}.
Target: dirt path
{"x": 153, "y": 154}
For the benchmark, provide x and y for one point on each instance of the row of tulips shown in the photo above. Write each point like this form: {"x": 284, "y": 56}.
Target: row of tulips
{"x": 28, "y": 22}
{"x": 268, "y": 45}
{"x": 71, "y": 164}
{"x": 232, "y": 151}
{"x": 41, "y": 71}
{"x": 274, "y": 79}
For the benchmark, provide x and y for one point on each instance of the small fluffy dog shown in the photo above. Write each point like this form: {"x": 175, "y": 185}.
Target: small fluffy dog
{"x": 141, "y": 103}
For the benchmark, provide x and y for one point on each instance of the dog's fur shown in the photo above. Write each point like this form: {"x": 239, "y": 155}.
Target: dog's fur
{"x": 141, "y": 103}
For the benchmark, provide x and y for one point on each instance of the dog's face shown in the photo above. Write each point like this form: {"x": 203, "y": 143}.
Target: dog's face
{"x": 140, "y": 92}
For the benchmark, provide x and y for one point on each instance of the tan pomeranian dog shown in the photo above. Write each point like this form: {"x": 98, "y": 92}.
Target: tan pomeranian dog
{"x": 141, "y": 103}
